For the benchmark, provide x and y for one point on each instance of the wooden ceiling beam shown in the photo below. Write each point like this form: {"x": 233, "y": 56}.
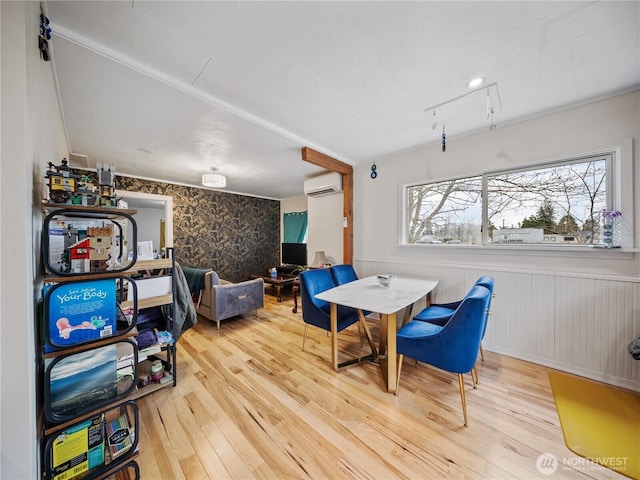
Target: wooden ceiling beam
{"x": 324, "y": 161}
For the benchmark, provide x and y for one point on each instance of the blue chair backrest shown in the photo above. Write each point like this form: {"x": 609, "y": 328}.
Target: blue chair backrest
{"x": 318, "y": 312}
{"x": 486, "y": 281}
{"x": 343, "y": 274}
{"x": 462, "y": 335}
{"x": 313, "y": 282}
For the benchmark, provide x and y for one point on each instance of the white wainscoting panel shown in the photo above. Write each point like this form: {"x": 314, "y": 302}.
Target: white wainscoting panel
{"x": 573, "y": 322}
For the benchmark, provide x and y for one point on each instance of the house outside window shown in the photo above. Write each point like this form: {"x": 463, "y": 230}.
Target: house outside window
{"x": 559, "y": 203}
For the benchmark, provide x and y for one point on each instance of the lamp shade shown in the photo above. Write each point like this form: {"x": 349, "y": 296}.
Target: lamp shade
{"x": 215, "y": 180}
{"x": 320, "y": 259}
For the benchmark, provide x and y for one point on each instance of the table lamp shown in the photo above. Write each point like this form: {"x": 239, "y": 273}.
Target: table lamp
{"x": 320, "y": 260}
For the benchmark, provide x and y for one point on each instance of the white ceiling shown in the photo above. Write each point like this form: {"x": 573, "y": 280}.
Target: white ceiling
{"x": 165, "y": 90}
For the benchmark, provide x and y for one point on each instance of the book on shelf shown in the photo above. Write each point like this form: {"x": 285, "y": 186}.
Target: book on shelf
{"x": 124, "y": 362}
{"x": 119, "y": 437}
{"x": 78, "y": 449}
{"x": 145, "y": 352}
{"x": 80, "y": 312}
{"x": 78, "y": 380}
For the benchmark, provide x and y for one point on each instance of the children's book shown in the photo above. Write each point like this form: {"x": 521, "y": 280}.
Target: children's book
{"x": 81, "y": 381}
{"x": 78, "y": 449}
{"x": 79, "y": 312}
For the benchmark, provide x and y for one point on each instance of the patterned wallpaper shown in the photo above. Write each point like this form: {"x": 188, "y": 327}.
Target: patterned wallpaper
{"x": 233, "y": 234}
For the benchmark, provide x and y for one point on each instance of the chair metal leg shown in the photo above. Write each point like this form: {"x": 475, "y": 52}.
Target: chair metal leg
{"x": 474, "y": 376}
{"x": 464, "y": 402}
{"x": 304, "y": 338}
{"x": 400, "y": 358}
{"x": 481, "y": 353}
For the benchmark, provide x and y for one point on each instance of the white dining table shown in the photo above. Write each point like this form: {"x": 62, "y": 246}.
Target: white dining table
{"x": 367, "y": 294}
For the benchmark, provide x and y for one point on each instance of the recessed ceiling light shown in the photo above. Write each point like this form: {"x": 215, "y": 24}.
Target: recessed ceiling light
{"x": 475, "y": 83}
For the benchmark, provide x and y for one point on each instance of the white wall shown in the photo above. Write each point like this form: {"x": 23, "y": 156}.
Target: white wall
{"x": 574, "y": 311}
{"x": 325, "y": 223}
{"x": 325, "y": 227}
{"x": 158, "y": 207}
{"x": 148, "y": 227}
{"x": 32, "y": 136}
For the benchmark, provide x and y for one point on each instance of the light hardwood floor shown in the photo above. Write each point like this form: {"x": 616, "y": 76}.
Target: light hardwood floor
{"x": 250, "y": 404}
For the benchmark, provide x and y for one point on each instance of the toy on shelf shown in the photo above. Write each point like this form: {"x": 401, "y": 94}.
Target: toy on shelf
{"x": 62, "y": 182}
{"x": 107, "y": 182}
{"x": 69, "y": 188}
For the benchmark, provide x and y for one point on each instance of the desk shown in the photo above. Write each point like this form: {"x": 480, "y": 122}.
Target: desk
{"x": 368, "y": 294}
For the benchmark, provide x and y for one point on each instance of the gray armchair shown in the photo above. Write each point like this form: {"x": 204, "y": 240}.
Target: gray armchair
{"x": 220, "y": 299}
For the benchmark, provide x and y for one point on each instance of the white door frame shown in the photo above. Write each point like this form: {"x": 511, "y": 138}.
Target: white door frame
{"x": 168, "y": 209}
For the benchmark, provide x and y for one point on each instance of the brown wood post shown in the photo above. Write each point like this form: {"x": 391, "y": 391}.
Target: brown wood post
{"x": 334, "y": 165}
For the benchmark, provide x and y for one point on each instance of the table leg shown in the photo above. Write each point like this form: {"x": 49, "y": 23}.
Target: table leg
{"x": 407, "y": 314}
{"x": 389, "y": 362}
{"x": 278, "y": 289}
{"x": 334, "y": 336}
{"x": 294, "y": 290}
{"x": 383, "y": 335}
{"x": 367, "y": 332}
{"x": 392, "y": 357}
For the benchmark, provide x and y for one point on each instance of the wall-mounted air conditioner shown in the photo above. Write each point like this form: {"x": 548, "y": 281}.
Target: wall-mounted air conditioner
{"x": 323, "y": 185}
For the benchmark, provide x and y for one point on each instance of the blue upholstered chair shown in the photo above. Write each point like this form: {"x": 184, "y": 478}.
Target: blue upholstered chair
{"x": 343, "y": 274}
{"x": 318, "y": 312}
{"x": 440, "y": 313}
{"x": 452, "y": 347}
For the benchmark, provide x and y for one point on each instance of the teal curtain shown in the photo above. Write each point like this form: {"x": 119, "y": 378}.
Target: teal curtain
{"x": 295, "y": 227}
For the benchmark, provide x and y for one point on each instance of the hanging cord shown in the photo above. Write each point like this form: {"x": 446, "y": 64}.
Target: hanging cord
{"x": 490, "y": 112}
{"x": 44, "y": 36}
{"x": 444, "y": 140}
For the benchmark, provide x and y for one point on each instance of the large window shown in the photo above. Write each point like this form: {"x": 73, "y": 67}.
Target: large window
{"x": 445, "y": 212}
{"x": 556, "y": 204}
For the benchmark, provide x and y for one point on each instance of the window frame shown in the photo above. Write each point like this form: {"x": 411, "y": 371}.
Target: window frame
{"x": 610, "y": 168}
{"x": 619, "y": 196}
